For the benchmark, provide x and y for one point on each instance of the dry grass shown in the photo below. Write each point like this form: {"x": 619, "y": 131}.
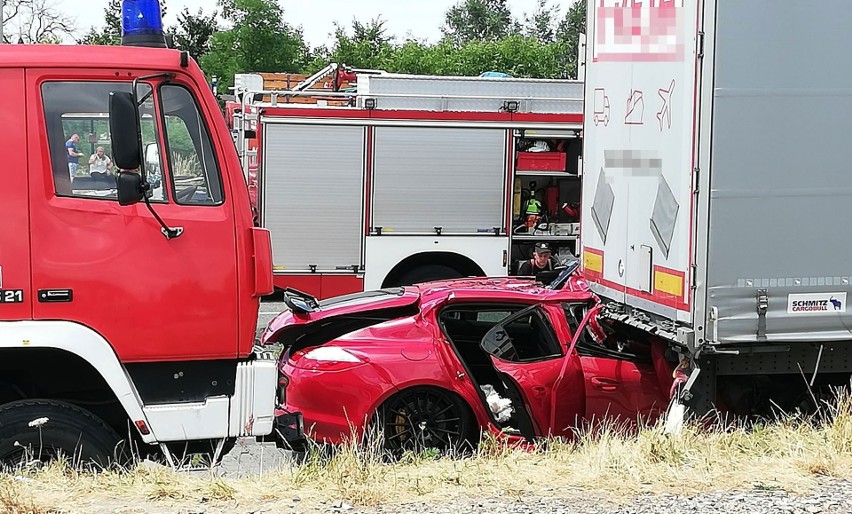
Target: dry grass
{"x": 788, "y": 455}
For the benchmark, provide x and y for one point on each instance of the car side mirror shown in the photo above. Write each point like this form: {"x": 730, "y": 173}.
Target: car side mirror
{"x": 130, "y": 190}
{"x": 152, "y": 155}
{"x": 124, "y": 130}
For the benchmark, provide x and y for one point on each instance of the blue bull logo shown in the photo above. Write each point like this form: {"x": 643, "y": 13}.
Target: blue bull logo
{"x": 837, "y": 304}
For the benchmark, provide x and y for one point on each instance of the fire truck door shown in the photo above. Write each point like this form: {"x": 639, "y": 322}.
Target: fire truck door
{"x": 110, "y": 267}
{"x": 14, "y": 241}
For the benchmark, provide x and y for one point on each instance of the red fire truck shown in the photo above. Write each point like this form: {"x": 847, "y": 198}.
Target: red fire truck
{"x": 107, "y": 331}
{"x": 409, "y": 178}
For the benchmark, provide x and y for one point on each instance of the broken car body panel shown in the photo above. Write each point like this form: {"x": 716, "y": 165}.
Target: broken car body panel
{"x": 346, "y": 359}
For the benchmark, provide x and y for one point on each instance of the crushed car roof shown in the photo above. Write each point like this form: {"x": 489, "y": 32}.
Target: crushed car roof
{"x": 506, "y": 288}
{"x": 501, "y": 289}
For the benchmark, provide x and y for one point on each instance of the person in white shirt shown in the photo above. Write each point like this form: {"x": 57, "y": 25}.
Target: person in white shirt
{"x": 99, "y": 162}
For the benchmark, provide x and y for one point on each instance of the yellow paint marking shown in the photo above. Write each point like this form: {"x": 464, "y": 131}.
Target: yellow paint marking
{"x": 593, "y": 262}
{"x": 668, "y": 283}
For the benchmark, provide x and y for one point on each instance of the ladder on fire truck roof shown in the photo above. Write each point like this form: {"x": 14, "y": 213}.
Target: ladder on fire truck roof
{"x": 329, "y": 70}
{"x": 379, "y": 90}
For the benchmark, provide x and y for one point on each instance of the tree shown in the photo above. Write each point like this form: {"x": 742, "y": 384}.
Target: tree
{"x": 516, "y": 55}
{"x": 259, "y": 40}
{"x": 373, "y": 33}
{"x": 479, "y": 20}
{"x": 193, "y": 32}
{"x": 110, "y": 33}
{"x": 542, "y": 24}
{"x": 568, "y": 36}
{"x": 369, "y": 46}
{"x": 35, "y": 21}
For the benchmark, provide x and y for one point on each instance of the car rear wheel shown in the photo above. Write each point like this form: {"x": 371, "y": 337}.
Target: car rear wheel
{"x": 422, "y": 418}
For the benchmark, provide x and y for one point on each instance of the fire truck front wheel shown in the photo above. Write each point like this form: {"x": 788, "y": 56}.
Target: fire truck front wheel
{"x": 44, "y": 430}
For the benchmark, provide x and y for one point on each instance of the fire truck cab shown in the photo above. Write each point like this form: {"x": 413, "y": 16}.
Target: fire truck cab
{"x": 128, "y": 291}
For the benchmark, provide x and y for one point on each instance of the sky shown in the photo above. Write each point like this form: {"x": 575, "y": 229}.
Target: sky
{"x": 419, "y": 18}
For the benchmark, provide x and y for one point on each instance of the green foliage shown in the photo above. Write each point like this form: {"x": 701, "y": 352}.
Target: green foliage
{"x": 180, "y": 142}
{"x": 542, "y": 24}
{"x": 546, "y": 48}
{"x": 110, "y": 33}
{"x": 568, "y": 34}
{"x": 369, "y": 46}
{"x": 479, "y": 36}
{"x": 259, "y": 40}
{"x": 517, "y": 55}
{"x": 479, "y": 20}
{"x": 193, "y": 32}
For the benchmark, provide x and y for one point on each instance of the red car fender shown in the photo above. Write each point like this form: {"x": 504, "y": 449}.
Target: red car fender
{"x": 447, "y": 379}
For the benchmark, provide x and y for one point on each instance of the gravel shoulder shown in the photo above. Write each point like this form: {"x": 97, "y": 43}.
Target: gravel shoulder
{"x": 831, "y": 496}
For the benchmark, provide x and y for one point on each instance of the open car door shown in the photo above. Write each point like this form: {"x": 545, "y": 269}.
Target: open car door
{"x": 527, "y": 354}
{"x": 622, "y": 385}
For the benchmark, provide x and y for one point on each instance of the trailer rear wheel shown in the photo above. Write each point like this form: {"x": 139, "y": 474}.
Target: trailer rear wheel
{"x": 45, "y": 430}
{"x": 427, "y": 273}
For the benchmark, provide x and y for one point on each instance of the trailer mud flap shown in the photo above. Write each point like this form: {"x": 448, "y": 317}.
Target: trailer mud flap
{"x": 681, "y": 395}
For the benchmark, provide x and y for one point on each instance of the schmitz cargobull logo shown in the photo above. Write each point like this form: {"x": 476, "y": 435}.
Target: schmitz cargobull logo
{"x": 816, "y": 303}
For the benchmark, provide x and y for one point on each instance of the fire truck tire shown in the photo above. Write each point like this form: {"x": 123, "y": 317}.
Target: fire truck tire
{"x": 50, "y": 428}
{"x": 428, "y": 273}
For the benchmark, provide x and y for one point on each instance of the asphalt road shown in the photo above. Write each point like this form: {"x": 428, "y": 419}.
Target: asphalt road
{"x": 268, "y": 310}
{"x": 250, "y": 458}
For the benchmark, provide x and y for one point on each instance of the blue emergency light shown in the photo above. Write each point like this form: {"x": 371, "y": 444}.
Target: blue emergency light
{"x": 142, "y": 24}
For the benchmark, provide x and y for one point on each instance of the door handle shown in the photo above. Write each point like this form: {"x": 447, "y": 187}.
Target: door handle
{"x": 55, "y": 295}
{"x": 605, "y": 384}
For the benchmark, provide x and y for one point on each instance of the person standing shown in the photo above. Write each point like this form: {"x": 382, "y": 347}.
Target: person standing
{"x": 73, "y": 154}
{"x": 99, "y": 162}
{"x": 542, "y": 261}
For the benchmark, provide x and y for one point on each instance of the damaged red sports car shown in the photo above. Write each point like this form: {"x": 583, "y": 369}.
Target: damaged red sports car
{"x": 433, "y": 365}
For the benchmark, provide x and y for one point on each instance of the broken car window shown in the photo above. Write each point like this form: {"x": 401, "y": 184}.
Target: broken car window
{"x": 511, "y": 333}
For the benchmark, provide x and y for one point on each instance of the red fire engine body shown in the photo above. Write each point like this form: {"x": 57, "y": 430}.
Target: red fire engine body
{"x": 107, "y": 329}
{"x": 412, "y": 178}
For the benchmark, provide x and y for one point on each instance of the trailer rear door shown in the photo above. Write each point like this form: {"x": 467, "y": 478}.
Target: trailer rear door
{"x": 639, "y": 121}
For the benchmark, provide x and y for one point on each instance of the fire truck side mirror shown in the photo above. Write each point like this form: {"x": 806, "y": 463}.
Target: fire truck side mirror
{"x": 124, "y": 130}
{"x": 130, "y": 190}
